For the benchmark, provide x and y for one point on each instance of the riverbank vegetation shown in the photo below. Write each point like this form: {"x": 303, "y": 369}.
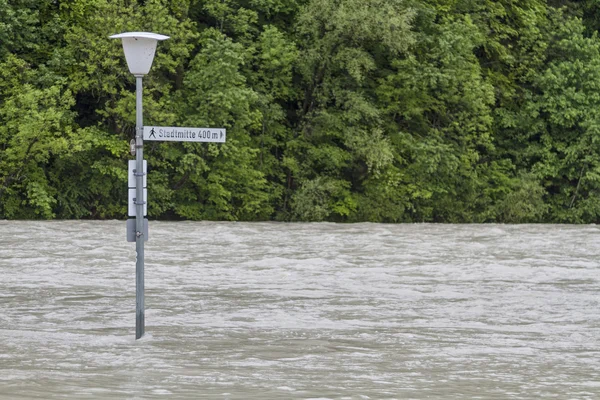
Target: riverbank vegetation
{"x": 335, "y": 110}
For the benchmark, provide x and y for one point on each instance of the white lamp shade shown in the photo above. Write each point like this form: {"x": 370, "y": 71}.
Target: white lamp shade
{"x": 139, "y": 48}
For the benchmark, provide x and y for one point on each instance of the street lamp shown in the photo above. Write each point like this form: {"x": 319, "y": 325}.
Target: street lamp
{"x": 139, "y": 48}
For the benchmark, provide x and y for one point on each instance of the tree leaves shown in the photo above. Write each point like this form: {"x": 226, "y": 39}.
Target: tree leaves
{"x": 339, "y": 110}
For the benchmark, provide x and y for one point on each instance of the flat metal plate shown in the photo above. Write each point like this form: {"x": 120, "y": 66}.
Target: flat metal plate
{"x": 131, "y": 230}
{"x": 131, "y": 209}
{"x": 131, "y": 180}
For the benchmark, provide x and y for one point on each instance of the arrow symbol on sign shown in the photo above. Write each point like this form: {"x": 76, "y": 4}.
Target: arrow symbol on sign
{"x": 221, "y": 134}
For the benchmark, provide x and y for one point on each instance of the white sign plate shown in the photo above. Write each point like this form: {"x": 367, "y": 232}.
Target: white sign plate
{"x": 131, "y": 210}
{"x": 178, "y": 134}
{"x": 131, "y": 179}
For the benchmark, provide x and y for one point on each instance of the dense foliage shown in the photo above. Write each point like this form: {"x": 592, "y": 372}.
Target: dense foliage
{"x": 338, "y": 110}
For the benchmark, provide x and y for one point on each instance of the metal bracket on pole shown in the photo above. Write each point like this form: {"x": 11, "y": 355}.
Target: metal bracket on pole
{"x": 132, "y": 231}
{"x": 139, "y": 137}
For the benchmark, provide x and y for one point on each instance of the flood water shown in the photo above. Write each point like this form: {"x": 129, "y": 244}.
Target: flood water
{"x": 300, "y": 311}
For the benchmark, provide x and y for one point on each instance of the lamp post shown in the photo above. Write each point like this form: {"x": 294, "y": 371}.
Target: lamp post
{"x": 139, "y": 48}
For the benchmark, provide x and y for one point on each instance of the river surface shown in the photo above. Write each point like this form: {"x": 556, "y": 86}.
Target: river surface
{"x": 300, "y": 311}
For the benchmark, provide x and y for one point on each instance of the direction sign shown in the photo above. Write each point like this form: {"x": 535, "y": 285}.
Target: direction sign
{"x": 131, "y": 209}
{"x": 179, "y": 134}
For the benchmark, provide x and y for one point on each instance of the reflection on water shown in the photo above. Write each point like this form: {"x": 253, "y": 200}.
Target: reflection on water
{"x": 300, "y": 311}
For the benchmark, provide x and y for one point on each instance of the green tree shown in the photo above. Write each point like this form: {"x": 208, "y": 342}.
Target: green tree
{"x": 562, "y": 124}
{"x": 105, "y": 95}
{"x": 36, "y": 128}
{"x": 218, "y": 181}
{"x": 440, "y": 106}
{"x": 339, "y": 141}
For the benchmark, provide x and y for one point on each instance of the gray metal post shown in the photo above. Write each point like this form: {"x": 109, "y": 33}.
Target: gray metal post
{"x": 139, "y": 211}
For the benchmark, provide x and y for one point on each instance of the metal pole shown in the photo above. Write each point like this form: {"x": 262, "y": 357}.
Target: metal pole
{"x": 139, "y": 211}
